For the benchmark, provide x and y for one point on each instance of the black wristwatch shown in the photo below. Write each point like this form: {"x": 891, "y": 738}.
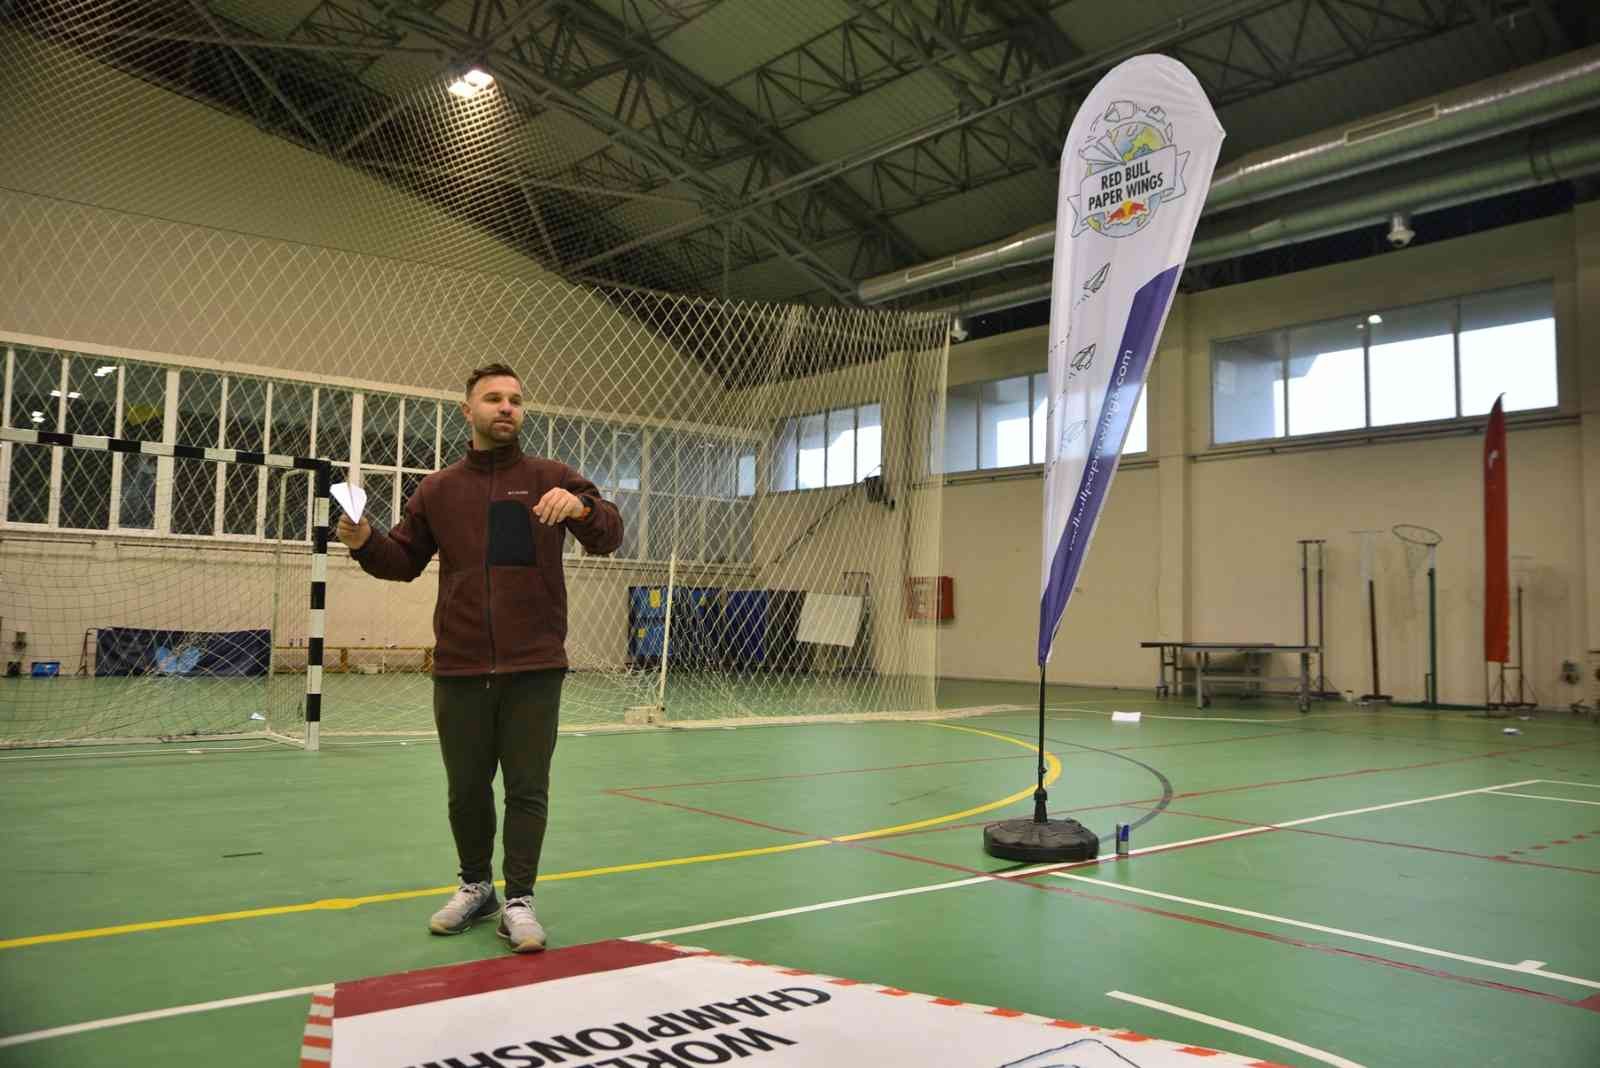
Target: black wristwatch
{"x": 588, "y": 504}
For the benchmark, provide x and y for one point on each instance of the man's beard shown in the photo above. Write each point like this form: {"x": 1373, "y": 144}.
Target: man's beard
{"x": 500, "y": 433}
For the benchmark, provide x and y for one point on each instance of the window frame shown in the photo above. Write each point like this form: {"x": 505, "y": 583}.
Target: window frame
{"x": 1033, "y": 380}
{"x": 1368, "y": 429}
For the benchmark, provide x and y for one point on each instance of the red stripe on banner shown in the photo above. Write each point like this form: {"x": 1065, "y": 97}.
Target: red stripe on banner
{"x": 947, "y": 1001}
{"x": 316, "y": 1041}
{"x": 1198, "y": 1051}
{"x": 1496, "y": 541}
{"x": 498, "y": 973}
{"x": 1007, "y": 1013}
{"x": 1131, "y": 1036}
{"x": 1071, "y": 1025}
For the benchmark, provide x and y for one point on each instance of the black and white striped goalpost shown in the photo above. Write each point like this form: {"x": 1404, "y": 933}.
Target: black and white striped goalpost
{"x": 322, "y": 479}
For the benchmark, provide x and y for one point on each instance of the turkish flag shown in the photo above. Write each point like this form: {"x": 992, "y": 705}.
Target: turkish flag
{"x": 1496, "y": 542}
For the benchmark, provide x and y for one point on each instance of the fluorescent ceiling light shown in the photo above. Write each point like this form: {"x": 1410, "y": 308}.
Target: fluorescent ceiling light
{"x": 1374, "y": 318}
{"x": 471, "y": 83}
{"x": 108, "y": 370}
{"x": 55, "y": 393}
{"x": 73, "y": 395}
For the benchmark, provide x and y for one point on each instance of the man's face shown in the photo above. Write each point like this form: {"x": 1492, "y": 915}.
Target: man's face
{"x": 494, "y": 410}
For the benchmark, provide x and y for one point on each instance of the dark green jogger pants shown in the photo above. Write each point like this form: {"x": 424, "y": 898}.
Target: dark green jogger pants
{"x": 507, "y": 721}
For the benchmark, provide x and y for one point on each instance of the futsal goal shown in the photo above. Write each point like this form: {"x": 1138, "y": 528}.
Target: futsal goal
{"x": 136, "y": 635}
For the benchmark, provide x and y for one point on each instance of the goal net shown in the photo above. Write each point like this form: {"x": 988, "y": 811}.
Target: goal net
{"x": 306, "y": 253}
{"x": 138, "y": 637}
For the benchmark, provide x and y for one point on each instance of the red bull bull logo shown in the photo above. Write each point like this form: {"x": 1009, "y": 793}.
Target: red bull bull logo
{"x": 1129, "y": 210}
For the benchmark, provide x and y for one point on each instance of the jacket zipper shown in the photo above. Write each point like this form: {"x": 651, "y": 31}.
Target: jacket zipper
{"x": 488, "y": 593}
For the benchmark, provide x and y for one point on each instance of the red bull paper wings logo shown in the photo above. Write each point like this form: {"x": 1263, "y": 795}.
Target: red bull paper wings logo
{"x": 1131, "y": 168}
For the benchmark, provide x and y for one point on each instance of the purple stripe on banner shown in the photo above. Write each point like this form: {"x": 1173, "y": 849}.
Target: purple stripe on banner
{"x": 1145, "y": 316}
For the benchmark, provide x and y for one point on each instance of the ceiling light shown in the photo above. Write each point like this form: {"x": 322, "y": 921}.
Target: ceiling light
{"x": 55, "y": 393}
{"x": 1374, "y": 318}
{"x": 37, "y": 417}
{"x": 73, "y": 395}
{"x": 471, "y": 83}
{"x": 102, "y": 372}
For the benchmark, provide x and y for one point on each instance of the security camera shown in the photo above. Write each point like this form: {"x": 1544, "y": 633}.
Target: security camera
{"x": 959, "y": 331}
{"x": 1400, "y": 232}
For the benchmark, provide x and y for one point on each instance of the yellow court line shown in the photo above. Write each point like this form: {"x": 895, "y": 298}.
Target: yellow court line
{"x": 1052, "y": 763}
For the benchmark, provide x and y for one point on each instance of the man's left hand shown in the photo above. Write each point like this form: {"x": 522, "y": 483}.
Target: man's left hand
{"x": 557, "y": 506}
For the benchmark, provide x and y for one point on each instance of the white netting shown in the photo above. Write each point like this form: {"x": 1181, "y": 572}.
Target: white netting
{"x": 250, "y": 292}
{"x": 134, "y": 638}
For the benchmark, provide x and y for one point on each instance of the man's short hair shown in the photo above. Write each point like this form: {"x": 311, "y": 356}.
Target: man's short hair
{"x": 493, "y": 370}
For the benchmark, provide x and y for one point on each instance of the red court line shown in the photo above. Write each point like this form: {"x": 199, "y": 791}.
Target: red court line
{"x": 1221, "y": 925}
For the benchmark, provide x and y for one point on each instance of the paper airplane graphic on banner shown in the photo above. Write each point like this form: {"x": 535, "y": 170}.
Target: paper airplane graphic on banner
{"x": 1097, "y": 280}
{"x": 351, "y": 498}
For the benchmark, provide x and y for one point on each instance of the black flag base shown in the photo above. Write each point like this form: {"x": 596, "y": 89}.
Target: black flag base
{"x": 1047, "y": 842}
{"x": 1040, "y": 838}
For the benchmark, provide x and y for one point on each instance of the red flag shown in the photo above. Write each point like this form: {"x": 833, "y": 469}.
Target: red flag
{"x": 1496, "y": 542}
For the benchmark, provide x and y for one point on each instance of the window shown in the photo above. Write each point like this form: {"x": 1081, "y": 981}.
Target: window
{"x": 1508, "y": 345}
{"x": 837, "y": 447}
{"x": 1325, "y": 378}
{"x": 1247, "y": 388}
{"x": 1004, "y": 422}
{"x": 91, "y": 408}
{"x": 1003, "y": 417}
{"x": 1425, "y": 363}
{"x": 244, "y": 428}
{"x": 689, "y": 492}
{"x": 195, "y": 489}
{"x": 289, "y": 496}
{"x": 144, "y": 409}
{"x": 1411, "y": 373}
{"x": 35, "y": 405}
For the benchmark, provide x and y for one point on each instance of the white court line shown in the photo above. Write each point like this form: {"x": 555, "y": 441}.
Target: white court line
{"x": 1239, "y": 1029}
{"x": 736, "y": 921}
{"x": 820, "y": 906}
{"x": 162, "y": 1014}
{"x": 1543, "y": 797}
{"x": 1527, "y": 967}
{"x": 1564, "y": 782}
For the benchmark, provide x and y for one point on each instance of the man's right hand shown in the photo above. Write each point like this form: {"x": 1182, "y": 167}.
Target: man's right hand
{"x": 354, "y": 535}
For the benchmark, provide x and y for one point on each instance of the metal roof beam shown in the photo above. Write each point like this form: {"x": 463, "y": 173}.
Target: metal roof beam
{"x": 1040, "y": 146}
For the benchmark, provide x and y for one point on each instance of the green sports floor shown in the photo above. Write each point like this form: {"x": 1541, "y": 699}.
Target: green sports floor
{"x": 1394, "y": 888}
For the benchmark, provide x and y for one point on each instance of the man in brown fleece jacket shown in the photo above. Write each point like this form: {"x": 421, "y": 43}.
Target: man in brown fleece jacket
{"x": 497, "y": 519}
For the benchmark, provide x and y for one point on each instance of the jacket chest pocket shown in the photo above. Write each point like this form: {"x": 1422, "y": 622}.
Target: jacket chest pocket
{"x": 511, "y": 540}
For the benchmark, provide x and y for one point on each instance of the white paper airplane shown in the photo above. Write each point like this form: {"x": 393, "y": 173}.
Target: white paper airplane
{"x": 351, "y": 498}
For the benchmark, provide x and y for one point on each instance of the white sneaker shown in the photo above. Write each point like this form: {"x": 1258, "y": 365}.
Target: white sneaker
{"x": 471, "y": 903}
{"x": 520, "y": 926}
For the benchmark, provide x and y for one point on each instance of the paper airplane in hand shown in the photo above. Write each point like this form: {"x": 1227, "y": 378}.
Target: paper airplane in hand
{"x": 351, "y": 498}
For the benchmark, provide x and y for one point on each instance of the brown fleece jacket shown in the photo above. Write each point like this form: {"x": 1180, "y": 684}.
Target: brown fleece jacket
{"x": 502, "y": 594}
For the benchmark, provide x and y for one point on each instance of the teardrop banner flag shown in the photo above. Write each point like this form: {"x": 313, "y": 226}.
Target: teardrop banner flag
{"x": 1134, "y": 175}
